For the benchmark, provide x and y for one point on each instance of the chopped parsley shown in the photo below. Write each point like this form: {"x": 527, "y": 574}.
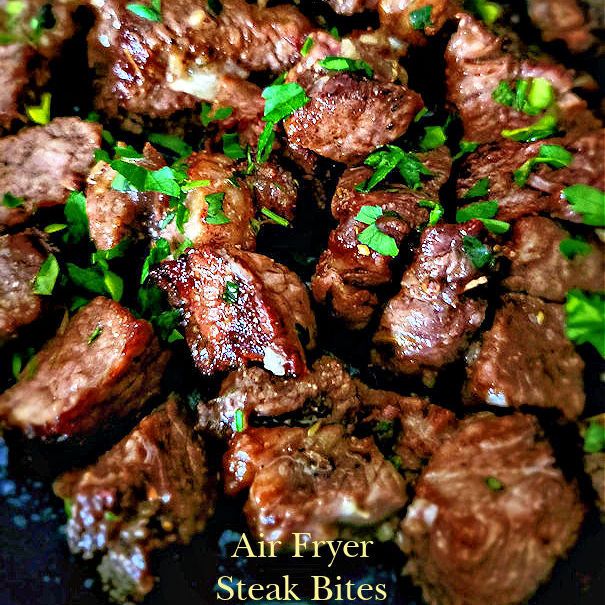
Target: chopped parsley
{"x": 434, "y": 136}
{"x": 95, "y": 334}
{"x": 215, "y": 7}
{"x": 479, "y": 189}
{"x": 215, "y": 214}
{"x": 231, "y": 293}
{"x": 55, "y": 227}
{"x": 152, "y": 302}
{"x": 157, "y": 253}
{"x": 485, "y": 212}
{"x": 571, "y": 247}
{"x": 465, "y": 148}
{"x": 494, "y": 484}
{"x": 594, "y": 438}
{"x": 420, "y": 19}
{"x": 40, "y": 114}
{"x": 587, "y": 201}
{"x": 96, "y": 279}
{"x": 240, "y": 420}
{"x": 528, "y": 96}
{"x": 76, "y": 218}
{"x": 436, "y": 212}
{"x": 10, "y": 201}
{"x": 307, "y": 46}
{"x": 153, "y": 12}
{"x": 345, "y": 64}
{"x": 479, "y": 254}
{"x": 391, "y": 157}
{"x": 172, "y": 143}
{"x": 206, "y": 115}
{"x": 553, "y": 155}
{"x": 489, "y": 12}
{"x": 585, "y": 319}
{"x": 545, "y": 127}
{"x": 372, "y": 236}
{"x": 44, "y": 19}
{"x": 276, "y": 218}
{"x": 138, "y": 178}
{"x": 45, "y": 280}
{"x": 231, "y": 146}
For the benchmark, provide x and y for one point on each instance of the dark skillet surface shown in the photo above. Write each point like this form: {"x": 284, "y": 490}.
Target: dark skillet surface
{"x": 36, "y": 567}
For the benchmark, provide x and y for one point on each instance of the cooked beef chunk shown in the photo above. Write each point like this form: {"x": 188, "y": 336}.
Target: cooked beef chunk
{"x": 151, "y": 68}
{"x": 239, "y": 308}
{"x": 594, "y": 464}
{"x": 491, "y": 515}
{"x": 476, "y": 65}
{"x": 14, "y": 59}
{"x": 311, "y": 481}
{"x": 20, "y": 261}
{"x": 542, "y": 192}
{"x": 348, "y": 272}
{"x": 562, "y": 20}
{"x": 104, "y": 365}
{"x": 430, "y": 322}
{"x": 274, "y": 188}
{"x": 44, "y": 163}
{"x": 150, "y": 490}
{"x": 526, "y": 359}
{"x": 347, "y": 118}
{"x": 114, "y": 215}
{"x": 538, "y": 267}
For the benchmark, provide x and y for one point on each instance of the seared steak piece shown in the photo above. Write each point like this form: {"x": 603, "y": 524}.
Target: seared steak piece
{"x": 538, "y": 267}
{"x": 562, "y": 20}
{"x": 14, "y": 59}
{"x": 476, "y": 64}
{"x": 526, "y": 359}
{"x": 594, "y": 465}
{"x": 275, "y": 188}
{"x": 430, "y": 322}
{"x": 114, "y": 215}
{"x": 44, "y": 164}
{"x": 347, "y": 117}
{"x": 239, "y": 308}
{"x": 20, "y": 261}
{"x": 150, "y": 490}
{"x": 105, "y": 365}
{"x": 348, "y": 272}
{"x": 491, "y": 515}
{"x": 152, "y": 68}
{"x": 311, "y": 481}
{"x": 542, "y": 192}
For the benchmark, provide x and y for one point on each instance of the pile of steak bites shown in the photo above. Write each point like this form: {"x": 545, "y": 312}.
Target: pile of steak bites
{"x": 211, "y": 210}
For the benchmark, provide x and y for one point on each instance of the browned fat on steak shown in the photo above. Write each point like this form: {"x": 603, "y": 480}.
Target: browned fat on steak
{"x": 152, "y": 68}
{"x": 525, "y": 359}
{"x": 44, "y": 164}
{"x": 20, "y": 261}
{"x": 476, "y": 64}
{"x": 239, "y": 308}
{"x": 539, "y": 267}
{"x": 564, "y": 20}
{"x": 348, "y": 272}
{"x": 14, "y": 59}
{"x": 491, "y": 515}
{"x": 311, "y": 481}
{"x": 543, "y": 191}
{"x": 104, "y": 365}
{"x": 150, "y": 490}
{"x": 430, "y": 322}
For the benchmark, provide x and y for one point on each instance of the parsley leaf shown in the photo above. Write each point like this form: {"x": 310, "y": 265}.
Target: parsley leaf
{"x": 10, "y": 201}
{"x": 76, "y": 218}
{"x": 231, "y": 146}
{"x": 97, "y": 280}
{"x": 44, "y": 282}
{"x": 40, "y": 114}
{"x": 477, "y": 251}
{"x": 553, "y": 155}
{"x": 150, "y": 13}
{"x": 494, "y": 484}
{"x": 371, "y": 236}
{"x": 221, "y": 113}
{"x": 265, "y": 143}
{"x": 485, "y": 212}
{"x": 231, "y": 293}
{"x": 571, "y": 247}
{"x": 215, "y": 214}
{"x": 479, "y": 189}
{"x": 587, "y": 201}
{"x": 465, "y": 147}
{"x": 332, "y": 63}
{"x": 542, "y": 129}
{"x": 436, "y": 212}
{"x": 95, "y": 334}
{"x": 585, "y": 319}
{"x": 490, "y": 12}
{"x": 421, "y": 18}
{"x": 434, "y": 136}
{"x": 139, "y": 178}
{"x": 172, "y": 143}
{"x": 240, "y": 420}
{"x": 157, "y": 253}
{"x": 276, "y": 218}
{"x": 530, "y": 96}
{"x": 307, "y": 46}
{"x": 594, "y": 438}
{"x": 282, "y": 100}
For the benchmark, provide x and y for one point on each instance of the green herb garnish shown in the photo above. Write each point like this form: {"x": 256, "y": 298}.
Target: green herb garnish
{"x": 40, "y": 114}
{"x": 153, "y": 12}
{"x": 222, "y": 113}
{"x": 307, "y": 46}
{"x": 95, "y": 334}
{"x": 587, "y": 201}
{"x": 10, "y": 201}
{"x": 553, "y": 155}
{"x": 594, "y": 438}
{"x": 172, "y": 143}
{"x": 276, "y": 218}
{"x": 215, "y": 214}
{"x": 465, "y": 148}
{"x": 571, "y": 247}
{"x": 44, "y": 282}
{"x": 436, "y": 212}
{"x": 371, "y": 236}
{"x": 240, "y": 420}
{"x": 76, "y": 218}
{"x": 494, "y": 484}
{"x": 231, "y": 146}
{"x": 231, "y": 293}
{"x": 585, "y": 319}
{"x": 479, "y": 189}
{"x": 420, "y": 19}
{"x": 434, "y": 136}
{"x": 346, "y": 64}
{"x": 542, "y": 129}
{"x": 479, "y": 254}
{"x": 157, "y": 253}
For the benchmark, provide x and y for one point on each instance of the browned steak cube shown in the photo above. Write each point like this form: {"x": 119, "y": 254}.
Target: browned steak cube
{"x": 44, "y": 164}
{"x": 239, "y": 308}
{"x": 14, "y": 76}
{"x": 525, "y": 359}
{"x": 104, "y": 365}
{"x": 20, "y": 261}
{"x": 538, "y": 267}
{"x": 150, "y": 490}
{"x": 491, "y": 515}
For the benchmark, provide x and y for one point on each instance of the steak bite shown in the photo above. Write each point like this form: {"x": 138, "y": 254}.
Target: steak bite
{"x": 543, "y": 191}
{"x": 432, "y": 319}
{"x": 525, "y": 359}
{"x": 15, "y": 59}
{"x": 349, "y": 273}
{"x": 105, "y": 365}
{"x": 20, "y": 261}
{"x": 150, "y": 490}
{"x": 476, "y": 64}
{"x": 539, "y": 267}
{"x": 239, "y": 308}
{"x": 43, "y": 164}
{"x": 491, "y": 515}
{"x": 273, "y": 187}
{"x": 311, "y": 481}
